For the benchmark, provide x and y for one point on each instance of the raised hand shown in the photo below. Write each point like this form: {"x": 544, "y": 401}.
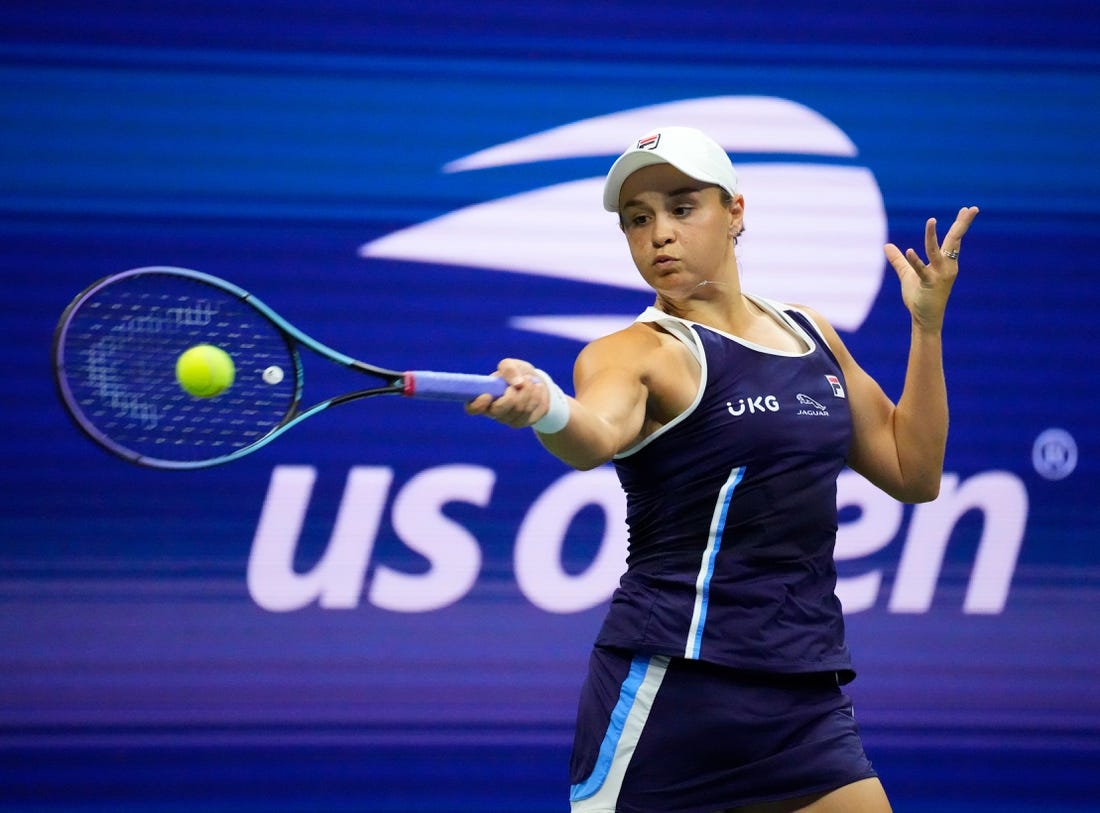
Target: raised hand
{"x": 926, "y": 285}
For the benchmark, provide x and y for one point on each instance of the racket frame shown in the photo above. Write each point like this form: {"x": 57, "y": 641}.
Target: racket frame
{"x": 422, "y": 383}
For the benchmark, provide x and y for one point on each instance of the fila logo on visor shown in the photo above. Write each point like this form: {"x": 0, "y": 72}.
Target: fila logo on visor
{"x": 650, "y": 143}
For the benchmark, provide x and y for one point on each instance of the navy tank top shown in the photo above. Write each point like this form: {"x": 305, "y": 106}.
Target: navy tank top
{"x": 731, "y": 510}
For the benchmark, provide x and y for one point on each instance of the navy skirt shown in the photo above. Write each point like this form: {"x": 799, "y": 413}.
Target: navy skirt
{"x": 656, "y": 733}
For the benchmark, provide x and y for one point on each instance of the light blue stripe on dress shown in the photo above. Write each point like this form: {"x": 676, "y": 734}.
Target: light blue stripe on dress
{"x": 706, "y": 569}
{"x": 600, "y": 791}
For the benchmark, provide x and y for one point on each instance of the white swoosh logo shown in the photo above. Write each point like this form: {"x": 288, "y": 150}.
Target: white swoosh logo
{"x": 814, "y": 231}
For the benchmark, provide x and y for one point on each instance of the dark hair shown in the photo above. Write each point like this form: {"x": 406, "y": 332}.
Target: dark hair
{"x": 727, "y": 199}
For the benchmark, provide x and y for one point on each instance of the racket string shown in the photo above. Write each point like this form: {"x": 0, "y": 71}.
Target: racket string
{"x": 120, "y": 349}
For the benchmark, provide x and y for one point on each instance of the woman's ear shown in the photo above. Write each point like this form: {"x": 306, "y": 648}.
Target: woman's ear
{"x": 737, "y": 215}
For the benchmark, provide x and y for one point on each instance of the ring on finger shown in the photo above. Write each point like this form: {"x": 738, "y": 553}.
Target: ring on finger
{"x": 954, "y": 255}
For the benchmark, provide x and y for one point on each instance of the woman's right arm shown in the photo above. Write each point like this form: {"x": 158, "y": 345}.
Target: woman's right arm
{"x": 607, "y": 413}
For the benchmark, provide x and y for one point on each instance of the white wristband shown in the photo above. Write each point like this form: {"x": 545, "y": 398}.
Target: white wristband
{"x": 557, "y": 416}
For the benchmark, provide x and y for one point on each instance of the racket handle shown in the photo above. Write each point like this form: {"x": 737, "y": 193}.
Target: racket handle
{"x": 451, "y": 386}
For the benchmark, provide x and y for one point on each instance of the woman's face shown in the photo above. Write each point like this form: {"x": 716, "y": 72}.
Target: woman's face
{"x": 678, "y": 229}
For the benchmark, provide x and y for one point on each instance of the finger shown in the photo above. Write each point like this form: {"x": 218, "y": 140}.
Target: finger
{"x": 896, "y": 258}
{"x": 931, "y": 242}
{"x": 479, "y": 405}
{"x": 521, "y": 385}
{"x": 917, "y": 264}
{"x": 960, "y": 227}
{"x": 906, "y": 264}
{"x": 903, "y": 263}
{"x": 965, "y": 218}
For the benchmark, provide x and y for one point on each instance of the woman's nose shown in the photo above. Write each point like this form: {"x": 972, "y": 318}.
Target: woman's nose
{"x": 663, "y": 233}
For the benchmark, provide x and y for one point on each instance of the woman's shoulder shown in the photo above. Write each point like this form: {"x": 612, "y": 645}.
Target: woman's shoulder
{"x": 631, "y": 343}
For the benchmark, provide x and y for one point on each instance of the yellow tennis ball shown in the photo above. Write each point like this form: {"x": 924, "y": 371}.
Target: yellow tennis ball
{"x": 205, "y": 370}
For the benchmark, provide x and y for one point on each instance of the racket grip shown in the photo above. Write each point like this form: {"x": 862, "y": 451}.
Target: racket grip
{"x": 451, "y": 386}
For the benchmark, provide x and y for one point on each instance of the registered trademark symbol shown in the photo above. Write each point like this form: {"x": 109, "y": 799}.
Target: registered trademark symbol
{"x": 1054, "y": 454}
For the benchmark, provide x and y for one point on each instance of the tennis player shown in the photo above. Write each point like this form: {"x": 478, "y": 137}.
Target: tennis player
{"x": 716, "y": 681}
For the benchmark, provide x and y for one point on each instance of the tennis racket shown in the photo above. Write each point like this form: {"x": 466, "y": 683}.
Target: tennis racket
{"x": 114, "y": 360}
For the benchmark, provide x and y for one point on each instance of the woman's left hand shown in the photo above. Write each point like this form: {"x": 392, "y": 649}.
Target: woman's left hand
{"x": 925, "y": 286}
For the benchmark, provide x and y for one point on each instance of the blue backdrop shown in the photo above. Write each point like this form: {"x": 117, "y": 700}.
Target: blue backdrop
{"x": 390, "y": 608}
